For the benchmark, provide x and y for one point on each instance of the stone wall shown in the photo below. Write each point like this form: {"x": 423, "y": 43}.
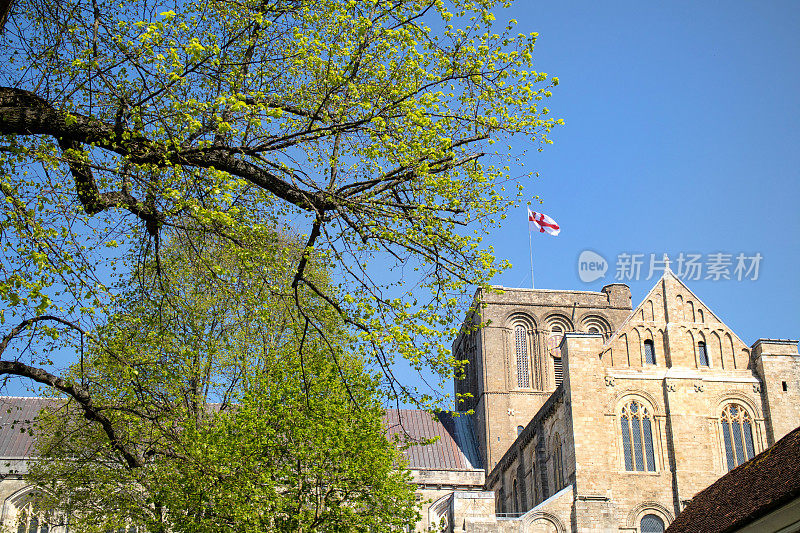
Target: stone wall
{"x": 501, "y": 402}
{"x": 435, "y": 489}
{"x": 697, "y": 370}
{"x": 778, "y": 365}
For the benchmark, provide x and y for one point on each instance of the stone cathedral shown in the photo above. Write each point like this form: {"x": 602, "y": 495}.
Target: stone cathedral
{"x": 589, "y": 415}
{"x": 578, "y": 413}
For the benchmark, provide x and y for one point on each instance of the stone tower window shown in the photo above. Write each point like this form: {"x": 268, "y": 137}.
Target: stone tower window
{"x": 651, "y": 524}
{"x": 558, "y": 370}
{"x": 553, "y": 343}
{"x": 737, "y": 433}
{"x": 521, "y": 350}
{"x": 637, "y": 437}
{"x": 702, "y": 354}
{"x": 649, "y": 352}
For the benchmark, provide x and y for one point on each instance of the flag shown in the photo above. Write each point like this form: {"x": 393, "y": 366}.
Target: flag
{"x": 542, "y": 223}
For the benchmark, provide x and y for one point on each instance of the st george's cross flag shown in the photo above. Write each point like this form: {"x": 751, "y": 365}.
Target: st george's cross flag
{"x": 542, "y": 223}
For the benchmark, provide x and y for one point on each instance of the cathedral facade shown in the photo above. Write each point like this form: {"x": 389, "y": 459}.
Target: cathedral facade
{"x": 577, "y": 413}
{"x": 586, "y": 414}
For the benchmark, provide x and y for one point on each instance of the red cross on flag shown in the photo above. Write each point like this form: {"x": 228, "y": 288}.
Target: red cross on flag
{"x": 542, "y": 223}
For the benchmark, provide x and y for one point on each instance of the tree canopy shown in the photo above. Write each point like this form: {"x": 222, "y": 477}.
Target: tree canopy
{"x": 365, "y": 127}
{"x": 229, "y": 413}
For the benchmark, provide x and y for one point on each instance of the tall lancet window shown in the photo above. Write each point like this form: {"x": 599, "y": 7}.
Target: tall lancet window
{"x": 737, "y": 432}
{"x": 649, "y": 352}
{"x": 521, "y": 345}
{"x": 637, "y": 437}
{"x": 702, "y": 353}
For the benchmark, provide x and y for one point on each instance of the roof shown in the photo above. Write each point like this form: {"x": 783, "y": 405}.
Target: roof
{"x": 455, "y": 448}
{"x": 16, "y": 425}
{"x": 753, "y": 489}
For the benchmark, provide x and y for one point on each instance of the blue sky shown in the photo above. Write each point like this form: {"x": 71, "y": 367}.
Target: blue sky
{"x": 681, "y": 135}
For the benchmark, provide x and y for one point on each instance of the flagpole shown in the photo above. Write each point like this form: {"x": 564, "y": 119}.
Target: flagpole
{"x": 530, "y": 247}
{"x": 544, "y": 224}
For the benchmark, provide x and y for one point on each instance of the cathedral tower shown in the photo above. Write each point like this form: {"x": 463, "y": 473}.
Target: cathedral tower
{"x": 511, "y": 340}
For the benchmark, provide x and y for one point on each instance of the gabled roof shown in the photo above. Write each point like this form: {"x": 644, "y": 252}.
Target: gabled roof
{"x": 671, "y": 309}
{"x": 455, "y": 448}
{"x": 655, "y": 293}
{"x": 764, "y": 483}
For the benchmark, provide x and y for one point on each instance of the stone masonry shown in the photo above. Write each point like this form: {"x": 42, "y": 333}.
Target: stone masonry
{"x": 556, "y": 380}
{"x": 578, "y": 413}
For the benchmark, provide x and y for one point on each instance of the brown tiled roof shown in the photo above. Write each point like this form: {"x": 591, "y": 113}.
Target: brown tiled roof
{"x": 16, "y": 425}
{"x": 746, "y": 493}
{"x": 455, "y": 449}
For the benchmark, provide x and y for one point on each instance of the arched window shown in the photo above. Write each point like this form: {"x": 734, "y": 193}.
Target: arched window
{"x": 519, "y": 430}
{"x": 702, "y": 354}
{"x": 737, "y": 433}
{"x": 637, "y": 437}
{"x": 521, "y": 350}
{"x": 558, "y": 464}
{"x": 29, "y": 522}
{"x": 651, "y": 524}
{"x": 557, "y": 330}
{"x": 649, "y": 352}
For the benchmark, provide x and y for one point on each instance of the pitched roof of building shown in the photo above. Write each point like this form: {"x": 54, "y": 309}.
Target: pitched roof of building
{"x": 16, "y": 425}
{"x": 454, "y": 449}
{"x": 764, "y": 483}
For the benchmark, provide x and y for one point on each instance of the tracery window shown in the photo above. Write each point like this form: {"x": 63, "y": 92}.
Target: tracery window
{"x": 702, "y": 353}
{"x": 649, "y": 352}
{"x": 29, "y": 521}
{"x": 737, "y": 434}
{"x": 521, "y": 350}
{"x": 637, "y": 437}
{"x": 651, "y": 524}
